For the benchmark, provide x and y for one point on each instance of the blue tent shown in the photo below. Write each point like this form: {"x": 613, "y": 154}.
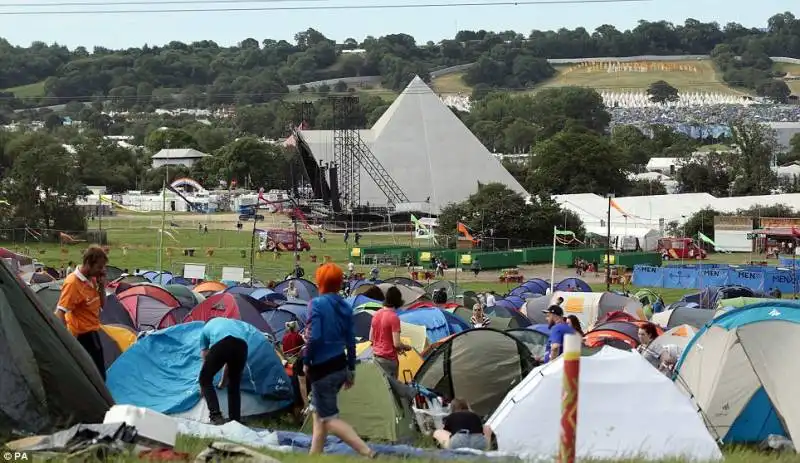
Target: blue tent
{"x": 264, "y": 294}
{"x": 537, "y": 286}
{"x": 438, "y": 323}
{"x": 306, "y": 290}
{"x": 736, "y": 370}
{"x": 277, "y": 318}
{"x": 299, "y": 308}
{"x": 160, "y": 371}
{"x": 573, "y": 284}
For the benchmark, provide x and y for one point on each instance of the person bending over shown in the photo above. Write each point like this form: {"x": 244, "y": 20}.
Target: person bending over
{"x": 463, "y": 429}
{"x": 223, "y": 345}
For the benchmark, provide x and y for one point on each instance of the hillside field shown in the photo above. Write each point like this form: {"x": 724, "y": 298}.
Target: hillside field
{"x": 27, "y": 91}
{"x": 686, "y": 76}
{"x": 794, "y": 70}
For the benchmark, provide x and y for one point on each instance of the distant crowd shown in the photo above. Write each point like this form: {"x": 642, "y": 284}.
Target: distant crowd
{"x": 712, "y": 115}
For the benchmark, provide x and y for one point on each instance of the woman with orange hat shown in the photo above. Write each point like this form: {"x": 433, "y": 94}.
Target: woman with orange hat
{"x": 330, "y": 360}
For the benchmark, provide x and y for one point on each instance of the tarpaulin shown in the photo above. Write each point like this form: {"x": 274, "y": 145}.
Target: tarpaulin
{"x": 755, "y": 278}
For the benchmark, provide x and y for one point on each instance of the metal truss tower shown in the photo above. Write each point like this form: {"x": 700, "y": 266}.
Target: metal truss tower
{"x": 351, "y": 154}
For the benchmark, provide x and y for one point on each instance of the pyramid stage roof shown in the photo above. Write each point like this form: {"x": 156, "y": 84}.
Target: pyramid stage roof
{"x": 425, "y": 148}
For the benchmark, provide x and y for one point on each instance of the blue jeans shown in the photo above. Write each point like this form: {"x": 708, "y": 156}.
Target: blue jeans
{"x": 324, "y": 392}
{"x": 464, "y": 440}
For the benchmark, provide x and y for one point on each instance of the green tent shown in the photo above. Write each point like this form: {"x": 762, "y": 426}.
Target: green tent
{"x": 737, "y": 302}
{"x": 374, "y": 411}
{"x": 497, "y": 323}
{"x": 49, "y": 382}
{"x": 185, "y": 295}
{"x": 48, "y": 293}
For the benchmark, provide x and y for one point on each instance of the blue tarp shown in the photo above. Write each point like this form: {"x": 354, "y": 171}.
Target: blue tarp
{"x": 160, "y": 371}
{"x": 755, "y": 278}
{"x": 335, "y": 446}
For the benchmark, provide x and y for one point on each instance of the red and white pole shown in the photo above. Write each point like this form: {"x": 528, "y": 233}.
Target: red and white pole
{"x": 569, "y": 398}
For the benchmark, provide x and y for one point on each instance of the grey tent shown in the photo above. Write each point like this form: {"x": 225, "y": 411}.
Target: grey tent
{"x": 683, "y": 316}
{"x": 48, "y": 293}
{"x": 48, "y": 380}
{"x": 480, "y": 366}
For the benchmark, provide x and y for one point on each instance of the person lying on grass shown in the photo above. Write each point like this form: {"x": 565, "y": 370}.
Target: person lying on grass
{"x": 463, "y": 429}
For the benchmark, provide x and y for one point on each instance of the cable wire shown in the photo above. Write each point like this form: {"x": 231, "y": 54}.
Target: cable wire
{"x": 146, "y": 3}
{"x": 321, "y": 8}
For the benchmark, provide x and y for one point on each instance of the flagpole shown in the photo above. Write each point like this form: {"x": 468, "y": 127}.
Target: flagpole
{"x": 161, "y": 232}
{"x": 553, "y": 263}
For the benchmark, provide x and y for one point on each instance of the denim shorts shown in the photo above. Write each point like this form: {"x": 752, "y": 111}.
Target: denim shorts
{"x": 324, "y": 392}
{"x": 463, "y": 440}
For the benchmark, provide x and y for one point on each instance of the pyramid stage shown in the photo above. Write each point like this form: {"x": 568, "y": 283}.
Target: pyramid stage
{"x": 428, "y": 152}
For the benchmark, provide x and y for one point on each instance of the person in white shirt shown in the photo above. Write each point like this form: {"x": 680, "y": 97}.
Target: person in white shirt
{"x": 490, "y": 299}
{"x": 291, "y": 292}
{"x": 351, "y": 268}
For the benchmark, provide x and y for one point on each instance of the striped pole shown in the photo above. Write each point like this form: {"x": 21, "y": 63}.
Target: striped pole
{"x": 569, "y": 398}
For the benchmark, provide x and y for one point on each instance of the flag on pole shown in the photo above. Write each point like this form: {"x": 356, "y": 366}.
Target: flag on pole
{"x": 702, "y": 237}
{"x": 420, "y": 230}
{"x": 564, "y": 232}
{"x": 617, "y": 208}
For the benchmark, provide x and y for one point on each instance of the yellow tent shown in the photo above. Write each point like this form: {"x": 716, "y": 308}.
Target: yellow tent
{"x": 410, "y": 361}
{"x": 122, "y": 336}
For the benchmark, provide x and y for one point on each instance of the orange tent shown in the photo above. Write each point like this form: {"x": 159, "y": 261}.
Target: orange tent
{"x": 209, "y": 287}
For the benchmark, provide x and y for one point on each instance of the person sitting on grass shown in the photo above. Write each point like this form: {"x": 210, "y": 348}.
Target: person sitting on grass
{"x": 330, "y": 361}
{"x": 463, "y": 429}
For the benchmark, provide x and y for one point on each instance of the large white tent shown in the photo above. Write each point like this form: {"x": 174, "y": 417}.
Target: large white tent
{"x": 626, "y": 409}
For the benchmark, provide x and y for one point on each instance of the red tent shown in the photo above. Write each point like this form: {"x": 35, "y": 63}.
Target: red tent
{"x": 231, "y": 305}
{"x": 145, "y": 311}
{"x": 156, "y": 292}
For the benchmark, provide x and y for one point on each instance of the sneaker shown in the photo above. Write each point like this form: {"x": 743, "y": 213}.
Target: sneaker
{"x": 218, "y": 421}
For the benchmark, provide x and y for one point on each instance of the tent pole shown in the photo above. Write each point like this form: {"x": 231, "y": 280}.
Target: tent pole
{"x": 553, "y": 263}
{"x": 161, "y": 231}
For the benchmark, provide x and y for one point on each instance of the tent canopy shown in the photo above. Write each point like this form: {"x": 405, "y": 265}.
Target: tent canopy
{"x": 606, "y": 431}
{"x": 478, "y": 366}
{"x": 233, "y": 306}
{"x": 306, "y": 290}
{"x": 736, "y": 371}
{"x": 683, "y": 316}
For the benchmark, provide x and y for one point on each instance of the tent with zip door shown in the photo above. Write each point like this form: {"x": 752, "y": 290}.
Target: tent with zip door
{"x": 479, "y": 366}
{"x": 49, "y": 382}
{"x": 738, "y": 371}
{"x": 373, "y": 409}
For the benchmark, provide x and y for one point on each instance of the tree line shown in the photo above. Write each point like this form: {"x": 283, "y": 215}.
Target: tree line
{"x": 204, "y": 73}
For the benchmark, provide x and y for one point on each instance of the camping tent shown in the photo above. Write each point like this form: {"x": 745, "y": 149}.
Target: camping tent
{"x": 608, "y": 332}
{"x": 404, "y": 281}
{"x": 533, "y": 338}
{"x": 736, "y": 302}
{"x": 411, "y": 294}
{"x": 649, "y": 420}
{"x": 678, "y": 337}
{"x": 114, "y": 313}
{"x": 48, "y": 379}
{"x": 737, "y": 372}
{"x": 306, "y": 290}
{"x": 438, "y": 323}
{"x": 478, "y": 365}
{"x": 277, "y": 319}
{"x": 115, "y": 340}
{"x": 573, "y": 284}
{"x": 160, "y": 372}
{"x": 683, "y": 316}
{"x": 235, "y": 306}
{"x": 207, "y": 288}
{"x": 588, "y": 307}
{"x": 173, "y": 317}
{"x": 156, "y": 292}
{"x": 373, "y": 409}
{"x": 145, "y": 311}
{"x": 537, "y": 286}
{"x": 409, "y": 361}
{"x": 184, "y": 295}
{"x": 48, "y": 294}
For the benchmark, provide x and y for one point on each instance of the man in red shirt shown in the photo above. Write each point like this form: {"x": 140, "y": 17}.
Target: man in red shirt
{"x": 385, "y": 334}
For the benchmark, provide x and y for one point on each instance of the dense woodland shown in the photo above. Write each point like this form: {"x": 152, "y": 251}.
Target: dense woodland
{"x": 205, "y": 73}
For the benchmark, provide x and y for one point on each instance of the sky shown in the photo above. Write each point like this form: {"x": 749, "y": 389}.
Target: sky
{"x": 228, "y": 28}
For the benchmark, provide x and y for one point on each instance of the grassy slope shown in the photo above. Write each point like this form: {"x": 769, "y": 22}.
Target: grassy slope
{"x": 793, "y": 69}
{"x": 705, "y": 79}
{"x": 27, "y": 91}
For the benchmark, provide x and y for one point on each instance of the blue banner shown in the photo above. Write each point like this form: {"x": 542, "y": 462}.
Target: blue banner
{"x": 755, "y": 278}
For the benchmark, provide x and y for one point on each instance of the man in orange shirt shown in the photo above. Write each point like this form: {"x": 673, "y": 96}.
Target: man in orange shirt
{"x": 83, "y": 295}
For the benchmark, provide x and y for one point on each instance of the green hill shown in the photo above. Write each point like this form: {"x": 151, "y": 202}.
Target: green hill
{"x": 27, "y": 91}
{"x": 686, "y": 76}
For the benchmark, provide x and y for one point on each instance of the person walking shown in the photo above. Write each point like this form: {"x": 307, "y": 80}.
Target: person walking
{"x": 384, "y": 334}
{"x": 83, "y": 295}
{"x": 223, "y": 347}
{"x": 330, "y": 361}
{"x": 558, "y": 329}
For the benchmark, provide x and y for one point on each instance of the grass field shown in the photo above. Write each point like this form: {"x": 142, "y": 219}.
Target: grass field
{"x": 686, "y": 76}
{"x": 27, "y": 91}
{"x": 793, "y": 69}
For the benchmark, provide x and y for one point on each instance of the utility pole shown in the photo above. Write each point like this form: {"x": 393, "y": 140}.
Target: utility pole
{"x": 608, "y": 246}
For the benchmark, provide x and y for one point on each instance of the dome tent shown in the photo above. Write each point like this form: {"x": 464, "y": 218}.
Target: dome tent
{"x": 478, "y": 365}
{"x": 48, "y": 379}
{"x": 735, "y": 370}
{"x": 606, "y": 430}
